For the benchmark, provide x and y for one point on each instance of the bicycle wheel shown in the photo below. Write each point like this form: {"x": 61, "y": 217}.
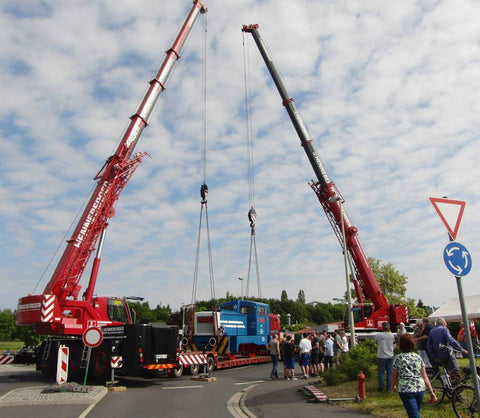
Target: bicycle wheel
{"x": 464, "y": 402}
{"x": 439, "y": 388}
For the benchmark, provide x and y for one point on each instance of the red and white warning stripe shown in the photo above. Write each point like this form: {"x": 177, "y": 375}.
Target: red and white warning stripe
{"x": 320, "y": 396}
{"x": 62, "y": 364}
{"x": 6, "y": 358}
{"x": 192, "y": 359}
{"x": 116, "y": 362}
{"x": 159, "y": 366}
{"x": 47, "y": 308}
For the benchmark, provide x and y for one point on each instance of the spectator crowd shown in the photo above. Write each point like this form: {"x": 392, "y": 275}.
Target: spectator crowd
{"x": 430, "y": 345}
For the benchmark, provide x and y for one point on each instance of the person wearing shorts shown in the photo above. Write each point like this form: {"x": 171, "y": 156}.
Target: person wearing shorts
{"x": 305, "y": 349}
{"x": 289, "y": 359}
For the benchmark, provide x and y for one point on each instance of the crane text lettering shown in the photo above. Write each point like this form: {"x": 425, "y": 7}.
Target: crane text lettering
{"x": 92, "y": 214}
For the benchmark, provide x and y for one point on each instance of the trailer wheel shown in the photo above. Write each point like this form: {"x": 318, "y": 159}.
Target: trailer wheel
{"x": 177, "y": 371}
{"x": 194, "y": 368}
{"x": 210, "y": 364}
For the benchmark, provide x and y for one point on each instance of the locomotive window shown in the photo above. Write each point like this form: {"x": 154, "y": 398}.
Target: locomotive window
{"x": 247, "y": 310}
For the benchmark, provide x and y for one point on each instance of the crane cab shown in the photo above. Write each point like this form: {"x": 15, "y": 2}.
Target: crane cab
{"x": 115, "y": 309}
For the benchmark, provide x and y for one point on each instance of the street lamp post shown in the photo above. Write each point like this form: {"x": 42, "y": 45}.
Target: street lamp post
{"x": 288, "y": 318}
{"x": 183, "y": 320}
{"x": 351, "y": 323}
{"x": 242, "y": 285}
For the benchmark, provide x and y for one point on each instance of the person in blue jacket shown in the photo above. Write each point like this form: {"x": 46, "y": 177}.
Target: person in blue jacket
{"x": 439, "y": 345}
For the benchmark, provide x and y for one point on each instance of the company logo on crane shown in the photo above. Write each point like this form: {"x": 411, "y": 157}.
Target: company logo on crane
{"x": 91, "y": 215}
{"x": 132, "y": 137}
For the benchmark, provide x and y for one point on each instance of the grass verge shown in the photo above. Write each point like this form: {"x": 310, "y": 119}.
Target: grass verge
{"x": 10, "y": 345}
{"x": 384, "y": 404}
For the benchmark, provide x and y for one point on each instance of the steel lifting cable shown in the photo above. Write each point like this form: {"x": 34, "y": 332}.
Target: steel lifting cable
{"x": 252, "y": 214}
{"x": 204, "y": 187}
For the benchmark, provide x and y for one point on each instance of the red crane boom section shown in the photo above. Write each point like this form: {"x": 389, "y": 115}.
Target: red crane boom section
{"x": 332, "y": 203}
{"x": 59, "y": 310}
{"x": 117, "y": 170}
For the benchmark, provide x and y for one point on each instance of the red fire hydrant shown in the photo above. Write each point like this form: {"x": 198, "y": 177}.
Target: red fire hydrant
{"x": 361, "y": 387}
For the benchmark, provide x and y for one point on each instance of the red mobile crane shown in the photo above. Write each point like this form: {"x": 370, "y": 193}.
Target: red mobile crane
{"x": 367, "y": 316}
{"x": 58, "y": 311}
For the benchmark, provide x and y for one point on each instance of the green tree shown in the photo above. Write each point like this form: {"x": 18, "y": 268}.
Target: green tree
{"x": 7, "y": 325}
{"x": 321, "y": 314}
{"x": 394, "y": 286}
{"x": 162, "y": 313}
{"x": 143, "y": 312}
{"x": 28, "y": 336}
{"x": 391, "y": 281}
{"x": 427, "y": 309}
{"x": 301, "y": 297}
{"x": 284, "y": 296}
{"x": 414, "y": 311}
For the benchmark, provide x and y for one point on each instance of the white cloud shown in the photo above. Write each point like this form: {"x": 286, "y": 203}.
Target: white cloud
{"x": 388, "y": 91}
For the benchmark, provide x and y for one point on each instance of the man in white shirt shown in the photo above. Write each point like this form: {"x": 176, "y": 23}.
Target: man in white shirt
{"x": 386, "y": 344}
{"x": 305, "y": 349}
{"x": 328, "y": 351}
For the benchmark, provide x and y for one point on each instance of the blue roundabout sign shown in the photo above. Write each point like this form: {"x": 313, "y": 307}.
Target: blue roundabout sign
{"x": 457, "y": 259}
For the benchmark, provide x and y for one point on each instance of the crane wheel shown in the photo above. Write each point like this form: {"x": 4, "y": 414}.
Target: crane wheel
{"x": 74, "y": 360}
{"x": 49, "y": 366}
{"x": 101, "y": 365}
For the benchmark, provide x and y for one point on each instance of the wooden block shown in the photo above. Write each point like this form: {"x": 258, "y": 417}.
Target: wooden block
{"x": 204, "y": 379}
{"x": 117, "y": 388}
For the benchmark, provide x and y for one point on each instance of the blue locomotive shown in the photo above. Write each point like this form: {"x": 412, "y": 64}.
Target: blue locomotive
{"x": 239, "y": 326}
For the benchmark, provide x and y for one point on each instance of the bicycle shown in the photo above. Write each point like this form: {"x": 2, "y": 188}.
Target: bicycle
{"x": 441, "y": 380}
{"x": 441, "y": 383}
{"x": 464, "y": 401}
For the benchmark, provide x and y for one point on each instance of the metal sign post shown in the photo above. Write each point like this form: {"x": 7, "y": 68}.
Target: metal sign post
{"x": 92, "y": 337}
{"x": 471, "y": 355}
{"x": 89, "y": 353}
{"x": 459, "y": 262}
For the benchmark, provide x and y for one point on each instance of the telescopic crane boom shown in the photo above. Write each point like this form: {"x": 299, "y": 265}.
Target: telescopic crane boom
{"x": 332, "y": 202}
{"x": 59, "y": 310}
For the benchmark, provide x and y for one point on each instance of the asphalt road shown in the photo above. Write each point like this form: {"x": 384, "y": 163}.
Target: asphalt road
{"x": 239, "y": 392}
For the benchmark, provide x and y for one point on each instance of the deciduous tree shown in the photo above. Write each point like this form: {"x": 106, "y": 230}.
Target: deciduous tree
{"x": 301, "y": 297}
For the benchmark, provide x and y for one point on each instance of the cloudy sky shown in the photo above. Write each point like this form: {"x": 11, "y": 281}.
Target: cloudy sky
{"x": 389, "y": 91}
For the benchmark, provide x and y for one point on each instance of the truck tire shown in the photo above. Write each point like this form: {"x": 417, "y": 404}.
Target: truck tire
{"x": 210, "y": 364}
{"x": 74, "y": 360}
{"x": 100, "y": 364}
{"x": 177, "y": 371}
{"x": 194, "y": 369}
{"x": 49, "y": 366}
